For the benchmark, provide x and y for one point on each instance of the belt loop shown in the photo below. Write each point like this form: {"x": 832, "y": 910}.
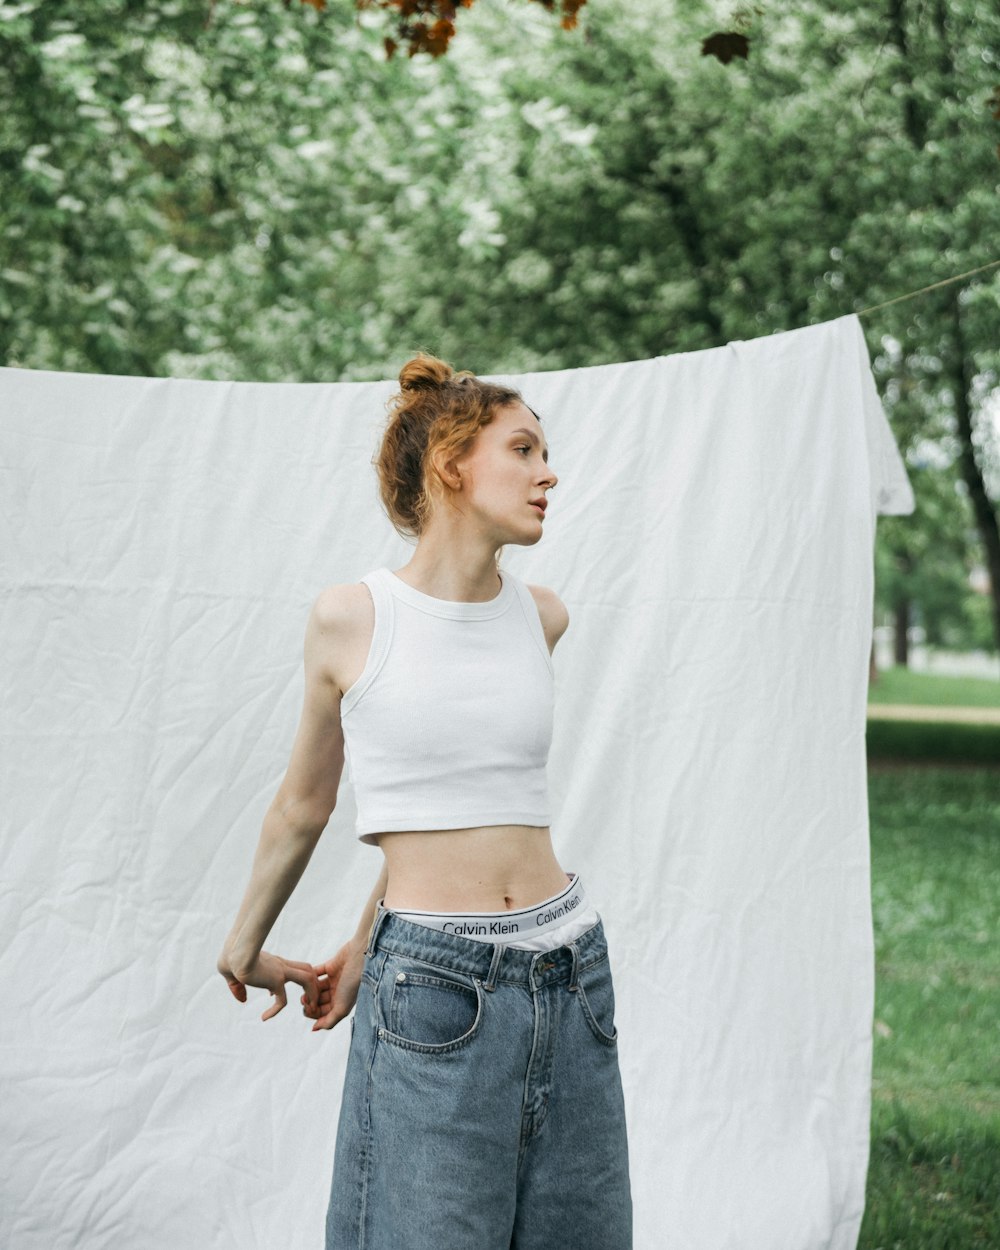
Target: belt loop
{"x": 380, "y": 915}
{"x": 574, "y": 971}
{"x": 491, "y": 980}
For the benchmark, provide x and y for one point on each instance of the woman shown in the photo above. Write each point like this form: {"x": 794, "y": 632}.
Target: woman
{"x": 482, "y": 1105}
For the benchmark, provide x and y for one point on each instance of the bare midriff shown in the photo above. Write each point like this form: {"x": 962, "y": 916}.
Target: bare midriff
{"x": 488, "y": 868}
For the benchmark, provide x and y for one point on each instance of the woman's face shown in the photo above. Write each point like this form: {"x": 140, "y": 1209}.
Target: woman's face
{"x": 504, "y": 472}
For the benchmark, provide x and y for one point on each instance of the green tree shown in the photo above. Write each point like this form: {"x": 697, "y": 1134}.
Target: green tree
{"x": 263, "y": 196}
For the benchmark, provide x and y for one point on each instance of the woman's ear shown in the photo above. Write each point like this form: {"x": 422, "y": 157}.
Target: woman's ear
{"x": 446, "y": 471}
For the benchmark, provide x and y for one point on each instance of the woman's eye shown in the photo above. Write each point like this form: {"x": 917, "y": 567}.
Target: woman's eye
{"x": 522, "y": 448}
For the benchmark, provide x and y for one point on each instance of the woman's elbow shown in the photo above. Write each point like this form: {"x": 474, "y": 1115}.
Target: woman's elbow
{"x": 306, "y": 816}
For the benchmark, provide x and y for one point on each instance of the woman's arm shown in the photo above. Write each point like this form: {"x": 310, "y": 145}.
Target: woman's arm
{"x": 282, "y": 853}
{"x": 340, "y": 976}
{"x": 297, "y": 816}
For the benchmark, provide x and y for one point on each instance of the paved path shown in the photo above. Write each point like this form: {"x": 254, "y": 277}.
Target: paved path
{"x": 913, "y": 711}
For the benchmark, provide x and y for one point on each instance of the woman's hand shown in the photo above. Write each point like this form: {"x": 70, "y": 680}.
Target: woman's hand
{"x": 270, "y": 972}
{"x": 339, "y": 979}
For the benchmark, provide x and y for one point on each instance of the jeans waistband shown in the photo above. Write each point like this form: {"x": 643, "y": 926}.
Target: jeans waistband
{"x": 488, "y": 961}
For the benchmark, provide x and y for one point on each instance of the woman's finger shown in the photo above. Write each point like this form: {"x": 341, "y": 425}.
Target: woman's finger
{"x": 278, "y": 1004}
{"x": 321, "y": 1006}
{"x": 317, "y": 1010}
{"x": 302, "y": 974}
{"x": 327, "y": 1021}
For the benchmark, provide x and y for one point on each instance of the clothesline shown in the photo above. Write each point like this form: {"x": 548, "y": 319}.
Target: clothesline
{"x": 910, "y": 295}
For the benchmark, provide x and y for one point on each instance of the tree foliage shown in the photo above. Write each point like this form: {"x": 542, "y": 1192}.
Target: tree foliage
{"x": 242, "y": 195}
{"x": 429, "y": 25}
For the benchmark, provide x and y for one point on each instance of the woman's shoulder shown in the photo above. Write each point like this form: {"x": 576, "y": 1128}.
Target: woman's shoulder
{"x": 342, "y": 603}
{"x": 340, "y": 629}
{"x": 552, "y": 611}
{"x": 343, "y": 614}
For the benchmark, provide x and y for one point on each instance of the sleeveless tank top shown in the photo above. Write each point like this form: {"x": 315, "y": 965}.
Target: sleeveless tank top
{"x": 450, "y": 723}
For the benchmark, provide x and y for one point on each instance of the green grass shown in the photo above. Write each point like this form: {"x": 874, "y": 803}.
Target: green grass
{"x": 899, "y": 685}
{"x": 933, "y": 742}
{"x": 934, "y": 1171}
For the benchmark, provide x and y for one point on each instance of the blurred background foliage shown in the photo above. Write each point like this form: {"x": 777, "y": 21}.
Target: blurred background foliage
{"x": 248, "y": 190}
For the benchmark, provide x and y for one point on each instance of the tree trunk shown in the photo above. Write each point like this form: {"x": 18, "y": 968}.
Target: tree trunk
{"x": 983, "y": 509}
{"x": 958, "y": 367}
{"x": 901, "y": 624}
{"x": 914, "y": 120}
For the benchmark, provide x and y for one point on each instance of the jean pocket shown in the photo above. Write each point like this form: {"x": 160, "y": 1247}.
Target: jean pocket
{"x": 596, "y": 994}
{"x": 430, "y": 1010}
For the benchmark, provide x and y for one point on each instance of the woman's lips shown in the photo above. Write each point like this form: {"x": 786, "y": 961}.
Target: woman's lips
{"x": 540, "y": 511}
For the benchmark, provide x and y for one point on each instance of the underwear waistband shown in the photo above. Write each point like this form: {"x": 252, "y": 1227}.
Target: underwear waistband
{"x": 503, "y": 926}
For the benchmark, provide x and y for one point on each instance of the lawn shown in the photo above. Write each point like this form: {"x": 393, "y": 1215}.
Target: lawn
{"x": 934, "y": 1173}
{"x": 931, "y": 742}
{"x": 899, "y": 685}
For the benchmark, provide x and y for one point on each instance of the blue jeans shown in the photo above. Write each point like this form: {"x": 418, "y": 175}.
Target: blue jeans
{"x": 482, "y": 1105}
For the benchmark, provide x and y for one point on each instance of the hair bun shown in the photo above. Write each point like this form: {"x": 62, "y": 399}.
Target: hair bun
{"x": 424, "y": 372}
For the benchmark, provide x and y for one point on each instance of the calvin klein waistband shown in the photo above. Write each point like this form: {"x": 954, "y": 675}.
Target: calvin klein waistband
{"x": 505, "y": 926}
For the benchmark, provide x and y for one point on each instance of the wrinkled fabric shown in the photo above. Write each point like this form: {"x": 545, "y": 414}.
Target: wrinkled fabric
{"x": 711, "y": 535}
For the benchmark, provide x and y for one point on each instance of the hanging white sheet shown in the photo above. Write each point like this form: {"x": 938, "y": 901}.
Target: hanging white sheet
{"x": 712, "y": 536}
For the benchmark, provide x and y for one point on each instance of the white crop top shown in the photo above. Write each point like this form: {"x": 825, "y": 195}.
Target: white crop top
{"x": 450, "y": 723}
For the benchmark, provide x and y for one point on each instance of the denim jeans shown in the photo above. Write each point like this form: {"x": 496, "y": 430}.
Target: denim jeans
{"x": 482, "y": 1105}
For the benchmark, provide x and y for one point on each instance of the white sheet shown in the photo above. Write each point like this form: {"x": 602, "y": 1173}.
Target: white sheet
{"x": 163, "y": 540}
